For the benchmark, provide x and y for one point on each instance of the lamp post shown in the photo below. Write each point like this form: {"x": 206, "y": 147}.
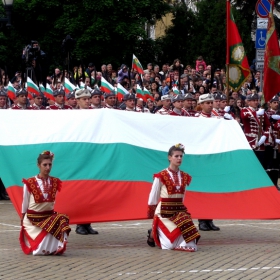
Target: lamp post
{"x": 8, "y": 4}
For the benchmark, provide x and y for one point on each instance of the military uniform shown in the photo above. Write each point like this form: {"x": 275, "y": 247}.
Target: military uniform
{"x": 177, "y": 111}
{"x": 188, "y": 112}
{"x": 84, "y": 229}
{"x": 164, "y": 110}
{"x": 142, "y": 110}
{"x": 107, "y": 95}
{"x": 57, "y": 106}
{"x": 256, "y": 128}
{"x": 99, "y": 93}
{"x": 18, "y": 106}
{"x": 36, "y": 107}
{"x": 128, "y": 97}
{"x": 272, "y": 156}
{"x": 207, "y": 224}
{"x": 4, "y": 95}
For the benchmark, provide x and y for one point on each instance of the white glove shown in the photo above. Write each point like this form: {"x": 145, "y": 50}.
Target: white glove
{"x": 227, "y": 108}
{"x": 228, "y": 116}
{"x": 276, "y": 117}
{"x": 262, "y": 140}
{"x": 260, "y": 112}
{"x": 277, "y": 141}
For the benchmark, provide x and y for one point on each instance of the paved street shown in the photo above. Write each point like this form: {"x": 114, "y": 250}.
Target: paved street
{"x": 241, "y": 250}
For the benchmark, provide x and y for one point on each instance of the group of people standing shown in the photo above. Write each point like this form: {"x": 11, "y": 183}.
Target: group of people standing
{"x": 171, "y": 229}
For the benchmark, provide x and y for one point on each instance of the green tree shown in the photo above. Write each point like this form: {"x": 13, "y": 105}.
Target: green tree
{"x": 179, "y": 36}
{"x": 203, "y": 32}
{"x": 105, "y": 31}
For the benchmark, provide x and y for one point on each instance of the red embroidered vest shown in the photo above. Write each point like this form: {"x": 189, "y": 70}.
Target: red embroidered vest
{"x": 166, "y": 179}
{"x": 33, "y": 187}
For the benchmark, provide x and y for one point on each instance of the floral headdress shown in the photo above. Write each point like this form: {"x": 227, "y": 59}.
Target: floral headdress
{"x": 180, "y": 146}
{"x": 49, "y": 153}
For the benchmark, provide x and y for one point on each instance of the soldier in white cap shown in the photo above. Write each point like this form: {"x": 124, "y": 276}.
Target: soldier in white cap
{"x": 166, "y": 102}
{"x": 83, "y": 98}
{"x": 206, "y": 103}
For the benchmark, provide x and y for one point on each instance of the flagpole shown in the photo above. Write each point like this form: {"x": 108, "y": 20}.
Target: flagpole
{"x": 227, "y": 51}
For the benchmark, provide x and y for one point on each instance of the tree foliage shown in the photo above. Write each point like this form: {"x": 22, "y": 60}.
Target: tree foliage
{"x": 105, "y": 31}
{"x": 109, "y": 31}
{"x": 203, "y": 32}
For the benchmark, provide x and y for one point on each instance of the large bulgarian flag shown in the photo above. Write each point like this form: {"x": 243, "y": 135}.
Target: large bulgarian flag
{"x": 236, "y": 59}
{"x": 137, "y": 65}
{"x": 32, "y": 87}
{"x": 107, "y": 174}
{"x": 49, "y": 92}
{"x": 121, "y": 91}
{"x": 68, "y": 86}
{"x": 106, "y": 86}
{"x": 11, "y": 91}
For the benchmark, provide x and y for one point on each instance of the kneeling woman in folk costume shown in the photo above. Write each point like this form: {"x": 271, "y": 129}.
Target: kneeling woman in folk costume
{"x": 173, "y": 228}
{"x": 43, "y": 231}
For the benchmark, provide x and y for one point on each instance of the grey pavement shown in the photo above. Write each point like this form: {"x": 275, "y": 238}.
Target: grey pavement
{"x": 241, "y": 250}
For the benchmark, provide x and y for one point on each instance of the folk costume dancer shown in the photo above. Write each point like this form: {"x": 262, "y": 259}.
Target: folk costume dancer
{"x": 43, "y": 231}
{"x": 83, "y": 99}
{"x": 206, "y": 103}
{"x": 173, "y": 228}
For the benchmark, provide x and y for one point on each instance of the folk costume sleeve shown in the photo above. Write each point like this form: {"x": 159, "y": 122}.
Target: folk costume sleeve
{"x": 25, "y": 201}
{"x": 154, "y": 197}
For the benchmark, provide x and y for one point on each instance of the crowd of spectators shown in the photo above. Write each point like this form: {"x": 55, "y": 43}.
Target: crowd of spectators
{"x": 159, "y": 80}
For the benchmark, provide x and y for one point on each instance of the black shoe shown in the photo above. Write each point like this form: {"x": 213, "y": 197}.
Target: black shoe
{"x": 150, "y": 240}
{"x": 90, "y": 230}
{"x": 203, "y": 225}
{"x": 212, "y": 226}
{"x": 80, "y": 229}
